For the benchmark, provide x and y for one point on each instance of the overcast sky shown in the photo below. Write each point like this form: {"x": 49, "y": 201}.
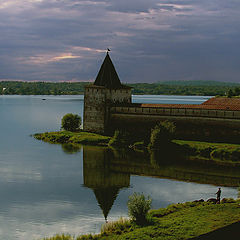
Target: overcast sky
{"x": 150, "y": 40}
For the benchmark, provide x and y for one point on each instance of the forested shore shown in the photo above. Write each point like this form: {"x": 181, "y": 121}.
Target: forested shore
{"x": 198, "y": 88}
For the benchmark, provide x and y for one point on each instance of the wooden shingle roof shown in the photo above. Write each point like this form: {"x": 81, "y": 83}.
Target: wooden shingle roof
{"x": 107, "y": 75}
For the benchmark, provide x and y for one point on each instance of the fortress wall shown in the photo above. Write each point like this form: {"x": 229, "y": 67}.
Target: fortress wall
{"x": 152, "y": 119}
{"x": 195, "y": 124}
{"x": 226, "y": 114}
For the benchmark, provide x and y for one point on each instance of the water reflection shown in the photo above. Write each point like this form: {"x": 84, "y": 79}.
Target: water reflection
{"x": 71, "y": 148}
{"x": 42, "y": 187}
{"x": 107, "y": 170}
{"x": 98, "y": 176}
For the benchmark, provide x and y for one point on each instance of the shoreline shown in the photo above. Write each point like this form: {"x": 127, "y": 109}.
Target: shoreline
{"x": 74, "y": 138}
{"x": 219, "y": 153}
{"x": 180, "y": 221}
{"x": 177, "y": 221}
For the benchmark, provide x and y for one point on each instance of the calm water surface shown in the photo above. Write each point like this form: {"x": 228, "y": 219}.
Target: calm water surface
{"x": 47, "y": 189}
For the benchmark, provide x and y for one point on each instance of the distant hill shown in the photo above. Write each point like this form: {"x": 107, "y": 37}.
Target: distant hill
{"x": 199, "y": 88}
{"x": 199, "y": 83}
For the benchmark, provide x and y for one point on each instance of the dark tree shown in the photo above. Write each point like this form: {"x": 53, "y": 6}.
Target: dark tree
{"x": 162, "y": 134}
{"x": 71, "y": 122}
{"x": 230, "y": 93}
{"x": 237, "y": 91}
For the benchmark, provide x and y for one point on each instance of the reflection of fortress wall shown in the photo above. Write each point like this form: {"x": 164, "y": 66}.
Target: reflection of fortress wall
{"x": 164, "y": 167}
{"x": 106, "y": 171}
{"x": 219, "y": 177}
{"x": 97, "y": 172}
{"x": 101, "y": 179}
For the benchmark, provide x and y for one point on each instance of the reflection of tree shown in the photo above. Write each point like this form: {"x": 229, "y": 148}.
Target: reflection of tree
{"x": 70, "y": 148}
{"x": 98, "y": 176}
{"x": 169, "y": 162}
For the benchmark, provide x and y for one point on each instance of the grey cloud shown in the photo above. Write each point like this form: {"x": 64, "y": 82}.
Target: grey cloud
{"x": 132, "y": 6}
{"x": 150, "y": 40}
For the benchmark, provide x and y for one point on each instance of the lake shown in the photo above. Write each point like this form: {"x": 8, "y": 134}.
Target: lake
{"x": 47, "y": 189}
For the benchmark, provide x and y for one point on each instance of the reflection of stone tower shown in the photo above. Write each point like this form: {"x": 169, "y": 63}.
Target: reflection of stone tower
{"x": 105, "y": 91}
{"x": 97, "y": 176}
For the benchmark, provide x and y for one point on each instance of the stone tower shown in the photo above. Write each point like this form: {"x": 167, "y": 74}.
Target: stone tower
{"x": 106, "y": 91}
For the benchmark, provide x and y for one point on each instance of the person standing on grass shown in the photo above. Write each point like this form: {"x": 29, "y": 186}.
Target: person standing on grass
{"x": 218, "y": 195}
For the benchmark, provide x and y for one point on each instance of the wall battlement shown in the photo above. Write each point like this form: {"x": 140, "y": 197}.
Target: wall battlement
{"x": 194, "y": 124}
{"x": 185, "y": 112}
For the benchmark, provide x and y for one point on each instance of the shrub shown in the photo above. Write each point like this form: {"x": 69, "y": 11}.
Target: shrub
{"x": 228, "y": 200}
{"x": 138, "y": 206}
{"x": 60, "y": 237}
{"x": 121, "y": 225}
{"x": 230, "y": 93}
{"x": 139, "y": 145}
{"x": 221, "y": 154}
{"x": 120, "y": 138}
{"x": 162, "y": 134}
{"x": 205, "y": 152}
{"x": 71, "y": 122}
{"x": 235, "y": 155}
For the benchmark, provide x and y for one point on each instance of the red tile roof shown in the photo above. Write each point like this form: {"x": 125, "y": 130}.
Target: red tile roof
{"x": 222, "y": 101}
{"x": 211, "y": 104}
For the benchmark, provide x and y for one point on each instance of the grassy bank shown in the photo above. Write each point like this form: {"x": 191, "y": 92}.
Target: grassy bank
{"x": 220, "y": 152}
{"x": 178, "y": 221}
{"x": 73, "y": 138}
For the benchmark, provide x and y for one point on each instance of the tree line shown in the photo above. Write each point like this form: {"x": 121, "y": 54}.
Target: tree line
{"x": 41, "y": 88}
{"x": 164, "y": 88}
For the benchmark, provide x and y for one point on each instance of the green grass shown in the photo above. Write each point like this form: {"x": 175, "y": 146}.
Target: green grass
{"x": 221, "y": 152}
{"x": 177, "y": 221}
{"x": 116, "y": 227}
{"x": 73, "y": 138}
{"x": 218, "y": 152}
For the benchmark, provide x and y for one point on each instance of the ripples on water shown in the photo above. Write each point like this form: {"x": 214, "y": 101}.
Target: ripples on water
{"x": 45, "y": 189}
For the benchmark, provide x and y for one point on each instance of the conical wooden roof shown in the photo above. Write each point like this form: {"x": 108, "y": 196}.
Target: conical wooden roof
{"x": 107, "y": 75}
